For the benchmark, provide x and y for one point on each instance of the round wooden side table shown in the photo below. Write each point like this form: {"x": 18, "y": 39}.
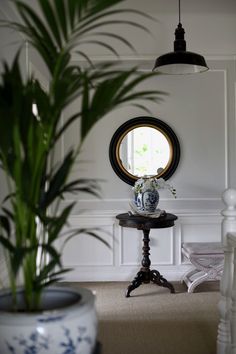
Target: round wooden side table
{"x": 146, "y": 275}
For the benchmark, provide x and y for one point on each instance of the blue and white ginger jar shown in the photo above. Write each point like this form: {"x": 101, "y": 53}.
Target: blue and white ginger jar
{"x": 147, "y": 201}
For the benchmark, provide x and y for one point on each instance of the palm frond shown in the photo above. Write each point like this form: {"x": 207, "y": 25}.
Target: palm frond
{"x": 36, "y": 217}
{"x": 114, "y": 91}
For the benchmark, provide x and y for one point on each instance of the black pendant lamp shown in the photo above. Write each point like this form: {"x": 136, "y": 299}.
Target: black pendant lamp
{"x": 180, "y": 61}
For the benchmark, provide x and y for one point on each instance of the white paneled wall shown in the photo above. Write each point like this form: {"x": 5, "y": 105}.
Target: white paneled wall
{"x": 93, "y": 261}
{"x": 201, "y": 111}
{"x": 131, "y": 246}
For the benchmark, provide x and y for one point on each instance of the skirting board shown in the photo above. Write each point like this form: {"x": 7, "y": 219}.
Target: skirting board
{"x": 171, "y": 273}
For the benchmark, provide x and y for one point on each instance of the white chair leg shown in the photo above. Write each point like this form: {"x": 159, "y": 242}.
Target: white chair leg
{"x": 207, "y": 260}
{"x": 188, "y": 274}
{"x": 196, "y": 282}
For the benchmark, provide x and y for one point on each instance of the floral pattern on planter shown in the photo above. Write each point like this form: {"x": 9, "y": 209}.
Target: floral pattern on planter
{"x": 71, "y": 347}
{"x": 67, "y": 325}
{"x": 32, "y": 345}
{"x": 38, "y": 344}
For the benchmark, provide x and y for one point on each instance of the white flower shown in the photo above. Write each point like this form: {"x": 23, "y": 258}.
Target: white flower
{"x": 152, "y": 183}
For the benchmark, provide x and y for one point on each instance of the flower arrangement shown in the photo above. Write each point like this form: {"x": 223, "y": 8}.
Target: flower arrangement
{"x": 144, "y": 184}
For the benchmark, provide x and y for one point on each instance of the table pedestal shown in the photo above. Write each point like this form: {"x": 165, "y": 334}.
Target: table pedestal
{"x": 145, "y": 275}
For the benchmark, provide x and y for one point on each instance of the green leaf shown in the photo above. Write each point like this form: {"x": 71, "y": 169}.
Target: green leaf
{"x": 102, "y": 44}
{"x": 86, "y": 57}
{"x": 55, "y": 279}
{"x": 57, "y": 181}
{"x": 56, "y": 257}
{"x": 85, "y": 30}
{"x": 5, "y": 224}
{"x": 72, "y": 6}
{"x": 18, "y": 258}
{"x": 83, "y": 185}
{"x": 119, "y": 38}
{"x": 45, "y": 271}
{"x": 7, "y": 244}
{"x": 61, "y": 13}
{"x": 8, "y": 213}
{"x": 91, "y": 232}
{"x": 51, "y": 21}
{"x": 37, "y": 181}
{"x": 35, "y": 26}
{"x": 66, "y": 125}
{"x": 56, "y": 224}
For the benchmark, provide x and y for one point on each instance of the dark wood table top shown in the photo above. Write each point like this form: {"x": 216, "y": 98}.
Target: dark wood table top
{"x": 143, "y": 222}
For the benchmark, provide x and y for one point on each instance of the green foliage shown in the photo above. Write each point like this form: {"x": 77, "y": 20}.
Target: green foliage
{"x": 34, "y": 220}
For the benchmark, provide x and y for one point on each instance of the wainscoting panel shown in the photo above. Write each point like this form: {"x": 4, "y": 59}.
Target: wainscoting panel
{"x": 91, "y": 260}
{"x": 161, "y": 244}
{"x": 86, "y": 250}
{"x": 130, "y": 247}
{"x": 200, "y": 233}
{"x": 199, "y": 229}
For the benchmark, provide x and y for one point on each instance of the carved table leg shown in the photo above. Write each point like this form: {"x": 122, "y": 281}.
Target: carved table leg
{"x": 146, "y": 260}
{"x": 145, "y": 275}
{"x": 138, "y": 280}
{"x": 158, "y": 279}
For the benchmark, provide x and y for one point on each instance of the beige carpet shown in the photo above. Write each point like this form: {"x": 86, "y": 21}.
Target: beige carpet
{"x": 153, "y": 321}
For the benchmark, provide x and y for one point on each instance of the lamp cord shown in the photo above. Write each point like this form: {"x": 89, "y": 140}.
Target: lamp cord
{"x": 179, "y": 13}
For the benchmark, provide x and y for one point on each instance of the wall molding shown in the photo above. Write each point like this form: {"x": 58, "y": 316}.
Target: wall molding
{"x": 172, "y": 273}
{"x": 115, "y": 206}
{"x": 183, "y": 213}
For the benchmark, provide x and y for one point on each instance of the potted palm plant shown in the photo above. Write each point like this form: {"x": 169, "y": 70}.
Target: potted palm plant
{"x": 36, "y": 317}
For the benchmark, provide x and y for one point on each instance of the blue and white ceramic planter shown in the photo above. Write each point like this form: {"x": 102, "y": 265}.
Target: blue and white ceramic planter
{"x": 147, "y": 201}
{"x": 68, "y": 324}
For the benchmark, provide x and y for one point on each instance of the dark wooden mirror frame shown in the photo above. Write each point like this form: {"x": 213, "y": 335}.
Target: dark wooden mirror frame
{"x": 145, "y": 122}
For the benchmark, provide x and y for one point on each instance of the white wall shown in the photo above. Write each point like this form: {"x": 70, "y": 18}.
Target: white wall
{"x": 200, "y": 109}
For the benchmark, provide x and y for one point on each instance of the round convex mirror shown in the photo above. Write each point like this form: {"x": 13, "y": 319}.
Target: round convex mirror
{"x": 144, "y": 146}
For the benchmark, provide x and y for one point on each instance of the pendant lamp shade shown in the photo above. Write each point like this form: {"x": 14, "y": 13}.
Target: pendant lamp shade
{"x": 180, "y": 61}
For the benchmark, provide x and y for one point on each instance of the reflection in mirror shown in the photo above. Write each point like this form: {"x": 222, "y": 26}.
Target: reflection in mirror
{"x": 145, "y": 151}
{"x": 144, "y": 146}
